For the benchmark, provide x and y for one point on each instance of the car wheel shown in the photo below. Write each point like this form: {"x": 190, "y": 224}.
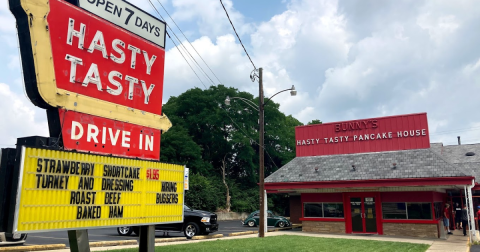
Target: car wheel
{"x": 251, "y": 223}
{"x": 191, "y": 229}
{"x": 281, "y": 224}
{"x": 124, "y": 231}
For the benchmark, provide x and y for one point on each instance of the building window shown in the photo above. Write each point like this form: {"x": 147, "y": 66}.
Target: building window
{"x": 407, "y": 210}
{"x": 394, "y": 211}
{"x": 323, "y": 210}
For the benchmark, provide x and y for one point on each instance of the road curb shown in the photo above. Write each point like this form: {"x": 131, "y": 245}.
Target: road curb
{"x": 242, "y": 233}
{"x": 33, "y": 247}
{"x": 113, "y": 243}
{"x": 161, "y": 240}
{"x": 270, "y": 230}
{"x": 203, "y": 237}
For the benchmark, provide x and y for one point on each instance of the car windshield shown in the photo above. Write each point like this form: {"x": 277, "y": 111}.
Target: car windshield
{"x": 185, "y": 207}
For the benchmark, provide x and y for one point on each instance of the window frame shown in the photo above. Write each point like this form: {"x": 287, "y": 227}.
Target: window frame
{"x": 323, "y": 212}
{"x": 432, "y": 217}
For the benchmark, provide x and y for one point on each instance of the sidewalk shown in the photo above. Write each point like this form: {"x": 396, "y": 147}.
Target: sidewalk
{"x": 454, "y": 243}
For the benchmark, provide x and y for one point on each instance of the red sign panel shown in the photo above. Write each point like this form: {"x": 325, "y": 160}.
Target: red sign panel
{"x": 98, "y": 59}
{"x": 391, "y": 133}
{"x": 95, "y": 134}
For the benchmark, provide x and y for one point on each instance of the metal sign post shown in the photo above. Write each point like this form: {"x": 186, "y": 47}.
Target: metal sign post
{"x": 265, "y": 228}
{"x": 147, "y": 239}
{"x": 78, "y": 240}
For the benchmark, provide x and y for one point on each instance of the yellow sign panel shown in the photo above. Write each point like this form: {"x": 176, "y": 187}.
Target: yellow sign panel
{"x": 69, "y": 190}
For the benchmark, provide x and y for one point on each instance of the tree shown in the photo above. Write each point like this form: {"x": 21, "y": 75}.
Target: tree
{"x": 223, "y": 167}
{"x": 314, "y": 121}
{"x": 220, "y": 143}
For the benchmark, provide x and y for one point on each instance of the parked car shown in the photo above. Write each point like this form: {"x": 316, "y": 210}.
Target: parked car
{"x": 272, "y": 220}
{"x": 195, "y": 222}
{"x": 10, "y": 239}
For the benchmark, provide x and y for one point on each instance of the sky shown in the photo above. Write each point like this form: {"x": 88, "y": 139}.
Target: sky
{"x": 348, "y": 60}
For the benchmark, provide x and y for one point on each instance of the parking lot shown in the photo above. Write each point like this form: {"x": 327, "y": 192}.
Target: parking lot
{"x": 110, "y": 234}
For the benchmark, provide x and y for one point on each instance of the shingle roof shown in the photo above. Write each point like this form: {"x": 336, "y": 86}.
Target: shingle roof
{"x": 456, "y": 154}
{"x": 419, "y": 163}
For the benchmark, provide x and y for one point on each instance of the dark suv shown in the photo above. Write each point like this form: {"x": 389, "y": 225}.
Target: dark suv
{"x": 195, "y": 222}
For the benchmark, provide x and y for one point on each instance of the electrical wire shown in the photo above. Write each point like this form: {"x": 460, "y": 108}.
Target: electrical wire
{"x": 188, "y": 41}
{"x": 187, "y": 61}
{"x": 180, "y": 43}
{"x": 250, "y": 138}
{"x": 198, "y": 65}
{"x": 254, "y": 67}
{"x": 176, "y": 45}
{"x": 454, "y": 131}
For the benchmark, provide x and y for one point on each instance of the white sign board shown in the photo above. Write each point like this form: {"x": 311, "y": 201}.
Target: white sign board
{"x": 128, "y": 17}
{"x": 185, "y": 179}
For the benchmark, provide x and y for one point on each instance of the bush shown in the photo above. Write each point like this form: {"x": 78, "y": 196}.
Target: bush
{"x": 203, "y": 194}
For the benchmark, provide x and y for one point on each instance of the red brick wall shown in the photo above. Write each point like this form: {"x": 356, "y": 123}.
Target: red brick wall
{"x": 295, "y": 209}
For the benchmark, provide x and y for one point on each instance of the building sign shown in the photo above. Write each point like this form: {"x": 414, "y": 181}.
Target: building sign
{"x": 401, "y": 132}
{"x": 185, "y": 180}
{"x": 77, "y": 61}
{"x": 94, "y": 134}
{"x": 61, "y": 190}
{"x": 128, "y": 17}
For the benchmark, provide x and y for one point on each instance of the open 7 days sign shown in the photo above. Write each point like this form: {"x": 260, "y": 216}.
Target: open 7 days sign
{"x": 110, "y": 67}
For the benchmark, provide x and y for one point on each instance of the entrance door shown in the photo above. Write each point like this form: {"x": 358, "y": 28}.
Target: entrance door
{"x": 364, "y": 217}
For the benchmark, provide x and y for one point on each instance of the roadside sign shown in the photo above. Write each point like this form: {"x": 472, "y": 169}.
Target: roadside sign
{"x": 61, "y": 190}
{"x": 95, "y": 134}
{"x": 80, "y": 62}
{"x": 128, "y": 17}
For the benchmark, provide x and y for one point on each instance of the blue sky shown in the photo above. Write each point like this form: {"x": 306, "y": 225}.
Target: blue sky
{"x": 347, "y": 59}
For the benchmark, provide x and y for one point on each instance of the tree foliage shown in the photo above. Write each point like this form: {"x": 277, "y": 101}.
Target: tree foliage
{"x": 314, "y": 121}
{"x": 205, "y": 131}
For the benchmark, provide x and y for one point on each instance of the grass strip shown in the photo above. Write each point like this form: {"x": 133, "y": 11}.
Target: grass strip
{"x": 291, "y": 243}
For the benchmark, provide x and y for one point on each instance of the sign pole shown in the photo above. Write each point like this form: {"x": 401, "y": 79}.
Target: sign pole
{"x": 147, "y": 239}
{"x": 78, "y": 240}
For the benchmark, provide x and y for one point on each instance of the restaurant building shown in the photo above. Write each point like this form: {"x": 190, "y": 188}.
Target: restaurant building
{"x": 376, "y": 176}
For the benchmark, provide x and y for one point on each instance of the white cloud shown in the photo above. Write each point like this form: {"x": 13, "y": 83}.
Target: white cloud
{"x": 209, "y": 17}
{"x": 19, "y": 118}
{"x": 347, "y": 59}
{"x": 352, "y": 60}
{"x": 224, "y": 58}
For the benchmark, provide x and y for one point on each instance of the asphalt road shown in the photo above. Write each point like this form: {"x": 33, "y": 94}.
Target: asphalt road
{"x": 110, "y": 234}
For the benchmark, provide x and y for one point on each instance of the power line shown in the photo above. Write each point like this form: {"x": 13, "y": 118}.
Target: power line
{"x": 187, "y": 61}
{"x": 177, "y": 46}
{"x": 223, "y": 109}
{"x": 184, "y": 48}
{"x": 189, "y": 41}
{"x": 180, "y": 42}
{"x": 251, "y": 139}
{"x": 237, "y": 34}
{"x": 455, "y": 130}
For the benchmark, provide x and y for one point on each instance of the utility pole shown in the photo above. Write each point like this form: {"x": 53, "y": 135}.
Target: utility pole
{"x": 261, "y": 232}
